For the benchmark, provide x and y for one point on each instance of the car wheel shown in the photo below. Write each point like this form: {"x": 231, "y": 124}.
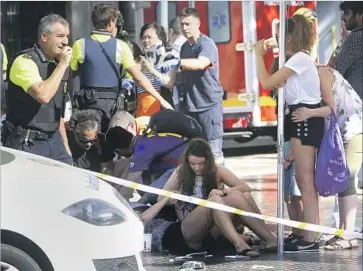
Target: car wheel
{"x": 16, "y": 259}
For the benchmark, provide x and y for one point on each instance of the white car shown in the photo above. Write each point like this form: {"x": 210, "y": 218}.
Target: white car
{"x": 56, "y": 217}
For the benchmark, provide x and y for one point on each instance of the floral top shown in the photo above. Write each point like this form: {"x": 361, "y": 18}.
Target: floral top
{"x": 349, "y": 107}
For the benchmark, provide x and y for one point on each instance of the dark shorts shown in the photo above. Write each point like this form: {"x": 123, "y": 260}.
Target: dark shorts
{"x": 174, "y": 242}
{"x": 310, "y": 132}
{"x": 211, "y": 121}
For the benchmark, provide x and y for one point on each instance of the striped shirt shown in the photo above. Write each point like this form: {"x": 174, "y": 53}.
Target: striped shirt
{"x": 165, "y": 68}
{"x": 349, "y": 61}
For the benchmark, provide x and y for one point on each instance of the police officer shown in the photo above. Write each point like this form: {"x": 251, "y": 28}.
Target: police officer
{"x": 92, "y": 57}
{"x": 36, "y": 94}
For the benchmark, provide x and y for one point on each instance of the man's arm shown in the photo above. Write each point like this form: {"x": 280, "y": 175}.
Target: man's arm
{"x": 195, "y": 64}
{"x": 25, "y": 73}
{"x": 62, "y": 131}
{"x": 207, "y": 57}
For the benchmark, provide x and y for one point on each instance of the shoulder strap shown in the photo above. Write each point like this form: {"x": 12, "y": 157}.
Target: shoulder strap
{"x": 112, "y": 65}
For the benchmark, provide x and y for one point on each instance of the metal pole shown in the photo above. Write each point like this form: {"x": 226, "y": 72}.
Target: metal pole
{"x": 138, "y": 20}
{"x": 164, "y": 13}
{"x": 280, "y": 134}
{"x": 191, "y": 4}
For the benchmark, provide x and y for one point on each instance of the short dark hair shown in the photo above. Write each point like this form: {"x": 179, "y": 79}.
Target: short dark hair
{"x": 103, "y": 14}
{"x": 186, "y": 12}
{"x": 174, "y": 24}
{"x": 355, "y": 6}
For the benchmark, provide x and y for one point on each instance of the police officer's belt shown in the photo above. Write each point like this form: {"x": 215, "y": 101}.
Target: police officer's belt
{"x": 26, "y": 133}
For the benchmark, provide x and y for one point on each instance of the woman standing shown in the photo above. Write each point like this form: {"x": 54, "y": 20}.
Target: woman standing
{"x": 302, "y": 85}
{"x": 338, "y": 93}
{"x": 153, "y": 66}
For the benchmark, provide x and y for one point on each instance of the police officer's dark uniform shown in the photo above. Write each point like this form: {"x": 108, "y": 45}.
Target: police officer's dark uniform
{"x": 31, "y": 126}
{"x": 99, "y": 61}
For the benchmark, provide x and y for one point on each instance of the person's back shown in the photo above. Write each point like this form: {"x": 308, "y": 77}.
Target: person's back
{"x": 99, "y": 60}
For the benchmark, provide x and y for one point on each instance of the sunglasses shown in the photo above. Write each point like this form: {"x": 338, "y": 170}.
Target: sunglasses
{"x": 87, "y": 140}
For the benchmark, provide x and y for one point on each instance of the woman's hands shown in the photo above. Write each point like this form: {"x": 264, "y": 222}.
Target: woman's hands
{"x": 301, "y": 114}
{"x": 146, "y": 65}
{"x": 217, "y": 192}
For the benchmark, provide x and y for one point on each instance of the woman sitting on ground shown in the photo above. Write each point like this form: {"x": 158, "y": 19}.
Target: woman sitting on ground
{"x": 199, "y": 176}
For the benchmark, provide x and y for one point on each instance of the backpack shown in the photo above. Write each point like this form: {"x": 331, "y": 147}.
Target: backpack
{"x": 169, "y": 121}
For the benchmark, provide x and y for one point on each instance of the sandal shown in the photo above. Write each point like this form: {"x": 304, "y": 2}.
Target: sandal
{"x": 341, "y": 243}
{"x": 332, "y": 240}
{"x": 249, "y": 253}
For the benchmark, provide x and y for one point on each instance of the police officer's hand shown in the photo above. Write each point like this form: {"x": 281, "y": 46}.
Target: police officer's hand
{"x": 65, "y": 56}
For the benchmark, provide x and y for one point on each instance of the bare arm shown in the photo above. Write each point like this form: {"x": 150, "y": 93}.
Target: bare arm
{"x": 150, "y": 213}
{"x": 275, "y": 80}
{"x": 44, "y": 91}
{"x": 195, "y": 64}
{"x": 168, "y": 79}
{"x": 172, "y": 184}
{"x": 62, "y": 131}
{"x": 231, "y": 180}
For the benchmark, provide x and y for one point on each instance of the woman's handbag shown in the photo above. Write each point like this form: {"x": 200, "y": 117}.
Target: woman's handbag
{"x": 332, "y": 172}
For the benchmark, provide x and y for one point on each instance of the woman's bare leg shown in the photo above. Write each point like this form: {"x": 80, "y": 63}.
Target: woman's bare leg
{"x": 304, "y": 157}
{"x": 295, "y": 211}
{"x": 196, "y": 226}
{"x": 239, "y": 200}
{"x": 224, "y": 222}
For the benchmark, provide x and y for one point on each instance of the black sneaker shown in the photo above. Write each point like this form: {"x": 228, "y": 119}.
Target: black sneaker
{"x": 300, "y": 245}
{"x": 292, "y": 237}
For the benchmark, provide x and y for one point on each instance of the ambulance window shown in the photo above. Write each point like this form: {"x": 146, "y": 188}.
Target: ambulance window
{"x": 171, "y": 11}
{"x": 219, "y": 25}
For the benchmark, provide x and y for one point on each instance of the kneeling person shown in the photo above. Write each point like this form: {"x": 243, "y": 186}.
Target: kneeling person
{"x": 89, "y": 149}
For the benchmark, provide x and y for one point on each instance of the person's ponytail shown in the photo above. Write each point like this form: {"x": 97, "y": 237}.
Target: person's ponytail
{"x": 303, "y": 35}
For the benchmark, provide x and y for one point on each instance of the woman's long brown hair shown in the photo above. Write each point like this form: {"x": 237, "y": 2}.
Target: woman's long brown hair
{"x": 198, "y": 148}
{"x": 301, "y": 33}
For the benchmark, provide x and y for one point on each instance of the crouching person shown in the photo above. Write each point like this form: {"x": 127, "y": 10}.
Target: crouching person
{"x": 121, "y": 137}
{"x": 199, "y": 176}
{"x": 89, "y": 148}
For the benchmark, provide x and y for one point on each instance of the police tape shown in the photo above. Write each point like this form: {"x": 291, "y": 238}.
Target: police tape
{"x": 222, "y": 207}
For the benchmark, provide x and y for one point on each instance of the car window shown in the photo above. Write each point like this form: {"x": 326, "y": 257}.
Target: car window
{"x": 219, "y": 23}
